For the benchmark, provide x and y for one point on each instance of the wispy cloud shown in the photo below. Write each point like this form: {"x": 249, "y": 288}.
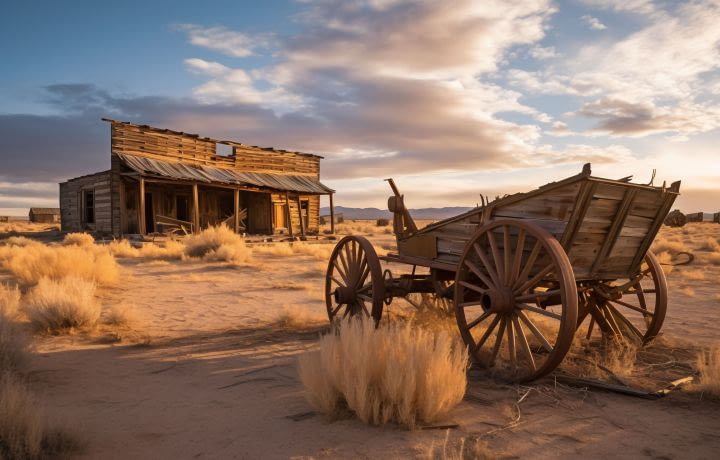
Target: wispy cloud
{"x": 593, "y": 22}
{"x": 225, "y": 41}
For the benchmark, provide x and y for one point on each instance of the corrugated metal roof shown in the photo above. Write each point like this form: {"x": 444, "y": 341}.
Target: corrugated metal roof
{"x": 209, "y": 174}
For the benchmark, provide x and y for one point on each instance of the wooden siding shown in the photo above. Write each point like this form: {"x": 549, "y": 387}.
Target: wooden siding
{"x": 179, "y": 147}
{"x": 313, "y": 217}
{"x": 71, "y": 203}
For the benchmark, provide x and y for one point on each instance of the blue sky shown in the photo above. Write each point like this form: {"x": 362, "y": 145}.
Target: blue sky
{"x": 452, "y": 99}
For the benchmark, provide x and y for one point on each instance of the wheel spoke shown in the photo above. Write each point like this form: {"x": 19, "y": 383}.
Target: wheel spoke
{"x": 364, "y": 272}
{"x": 364, "y": 288}
{"x": 535, "y": 279}
{"x": 529, "y": 264}
{"x": 470, "y": 304}
{"x": 507, "y": 264}
{"x": 335, "y": 311}
{"x": 488, "y": 266}
{"x": 522, "y": 341}
{"x": 519, "y": 249}
{"x": 511, "y": 342}
{"x": 343, "y": 275}
{"x": 362, "y": 304}
{"x": 473, "y": 287}
{"x": 366, "y": 298}
{"x": 633, "y": 307}
{"x": 498, "y": 342}
{"x": 498, "y": 259}
{"x": 474, "y": 268}
{"x": 479, "y": 320}
{"x": 590, "y": 327}
{"x": 487, "y": 333}
{"x": 536, "y": 332}
{"x": 540, "y": 311}
{"x": 616, "y": 314}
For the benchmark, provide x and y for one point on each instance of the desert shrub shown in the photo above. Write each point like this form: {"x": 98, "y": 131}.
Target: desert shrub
{"x": 58, "y": 305}
{"x": 708, "y": 365}
{"x": 122, "y": 249}
{"x": 122, "y": 315}
{"x": 460, "y": 449}
{"x": 382, "y": 222}
{"x": 661, "y": 245}
{"x": 210, "y": 241}
{"x": 274, "y": 249}
{"x": 32, "y": 262}
{"x": 79, "y": 239}
{"x": 170, "y": 250}
{"x": 24, "y": 431}
{"x": 710, "y": 244}
{"x": 293, "y": 316}
{"x": 9, "y": 300}
{"x": 693, "y": 275}
{"x": 392, "y": 373}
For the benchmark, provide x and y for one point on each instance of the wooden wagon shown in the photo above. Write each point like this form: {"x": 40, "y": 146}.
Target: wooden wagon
{"x": 524, "y": 272}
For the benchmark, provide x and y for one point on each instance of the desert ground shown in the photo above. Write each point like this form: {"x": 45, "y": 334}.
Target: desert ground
{"x": 197, "y": 358}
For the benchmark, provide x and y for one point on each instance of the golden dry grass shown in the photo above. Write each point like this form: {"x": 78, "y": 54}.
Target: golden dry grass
{"x": 404, "y": 374}
{"x": 79, "y": 239}
{"x": 29, "y": 261}
{"x": 710, "y": 244}
{"x": 218, "y": 244}
{"x": 24, "y": 430}
{"x": 460, "y": 449}
{"x": 9, "y": 300}
{"x": 688, "y": 291}
{"x": 708, "y": 365}
{"x": 692, "y": 275}
{"x": 297, "y": 317}
{"x": 58, "y": 305}
{"x": 123, "y": 315}
{"x": 13, "y": 345}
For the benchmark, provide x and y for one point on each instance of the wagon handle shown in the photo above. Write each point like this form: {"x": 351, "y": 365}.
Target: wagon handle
{"x": 403, "y": 223}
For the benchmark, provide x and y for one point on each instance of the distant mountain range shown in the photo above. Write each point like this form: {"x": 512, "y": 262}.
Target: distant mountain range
{"x": 375, "y": 213}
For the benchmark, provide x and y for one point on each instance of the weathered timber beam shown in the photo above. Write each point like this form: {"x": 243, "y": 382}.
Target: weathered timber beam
{"x": 236, "y": 210}
{"x": 196, "y": 208}
{"x": 332, "y": 215}
{"x": 302, "y": 223}
{"x": 614, "y": 231}
{"x": 141, "y": 208}
{"x": 288, "y": 215}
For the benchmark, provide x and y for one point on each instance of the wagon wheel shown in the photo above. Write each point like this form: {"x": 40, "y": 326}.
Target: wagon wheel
{"x": 353, "y": 284}
{"x": 633, "y": 308}
{"x": 440, "y": 301}
{"x": 516, "y": 299}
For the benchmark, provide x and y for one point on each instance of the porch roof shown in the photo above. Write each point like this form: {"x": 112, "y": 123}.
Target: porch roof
{"x": 210, "y": 175}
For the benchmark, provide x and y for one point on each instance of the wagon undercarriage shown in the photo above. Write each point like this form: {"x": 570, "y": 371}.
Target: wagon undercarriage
{"x": 523, "y": 275}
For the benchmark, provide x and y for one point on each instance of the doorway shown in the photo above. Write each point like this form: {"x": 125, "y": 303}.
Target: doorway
{"x": 182, "y": 207}
{"x": 149, "y": 213}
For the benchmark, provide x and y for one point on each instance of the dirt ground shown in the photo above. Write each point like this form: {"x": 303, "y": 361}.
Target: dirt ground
{"x": 210, "y": 372}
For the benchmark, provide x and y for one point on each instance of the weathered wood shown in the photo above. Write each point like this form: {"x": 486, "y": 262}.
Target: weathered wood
{"x": 195, "y": 208}
{"x": 236, "y": 210}
{"x": 332, "y": 215}
{"x": 288, "y": 215}
{"x": 300, "y": 216}
{"x": 141, "y": 210}
{"x": 614, "y": 232}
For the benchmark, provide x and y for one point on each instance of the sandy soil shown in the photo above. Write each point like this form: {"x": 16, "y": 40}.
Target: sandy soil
{"x": 210, "y": 373}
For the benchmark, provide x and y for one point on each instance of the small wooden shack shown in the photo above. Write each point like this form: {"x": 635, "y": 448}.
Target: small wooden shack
{"x": 44, "y": 215}
{"x": 162, "y": 179}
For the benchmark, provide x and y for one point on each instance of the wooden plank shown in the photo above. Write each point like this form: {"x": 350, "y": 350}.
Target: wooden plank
{"x": 332, "y": 215}
{"x": 196, "y": 208}
{"x": 236, "y": 210}
{"x": 300, "y": 216}
{"x": 288, "y": 215}
{"x": 141, "y": 210}
{"x": 576, "y": 218}
{"x": 669, "y": 199}
{"x": 614, "y": 231}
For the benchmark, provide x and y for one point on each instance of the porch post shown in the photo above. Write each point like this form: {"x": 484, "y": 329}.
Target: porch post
{"x": 332, "y": 215}
{"x": 289, "y": 215}
{"x": 236, "y": 210}
{"x": 196, "y": 209}
{"x": 141, "y": 210}
{"x": 302, "y": 223}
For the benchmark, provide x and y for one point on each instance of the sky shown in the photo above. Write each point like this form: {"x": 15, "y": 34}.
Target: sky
{"x": 452, "y": 99}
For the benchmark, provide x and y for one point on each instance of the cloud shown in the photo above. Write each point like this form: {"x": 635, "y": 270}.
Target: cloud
{"x": 593, "y": 22}
{"x": 540, "y": 53}
{"x": 635, "y": 6}
{"x": 619, "y": 117}
{"x": 225, "y": 41}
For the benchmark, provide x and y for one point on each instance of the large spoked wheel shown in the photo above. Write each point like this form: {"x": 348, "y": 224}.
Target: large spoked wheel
{"x": 516, "y": 299}
{"x": 354, "y": 284}
{"x": 633, "y": 308}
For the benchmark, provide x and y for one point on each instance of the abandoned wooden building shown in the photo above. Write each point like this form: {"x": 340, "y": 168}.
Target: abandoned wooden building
{"x": 44, "y": 215}
{"x": 161, "y": 179}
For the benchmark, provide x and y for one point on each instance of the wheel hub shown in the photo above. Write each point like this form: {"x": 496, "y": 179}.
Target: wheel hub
{"x": 500, "y": 300}
{"x": 344, "y": 295}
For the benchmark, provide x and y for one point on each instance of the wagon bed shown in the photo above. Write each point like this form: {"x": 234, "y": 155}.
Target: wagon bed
{"x": 605, "y": 226}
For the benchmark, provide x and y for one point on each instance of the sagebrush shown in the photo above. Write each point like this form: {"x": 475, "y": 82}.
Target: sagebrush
{"x": 392, "y": 373}
{"x": 57, "y": 305}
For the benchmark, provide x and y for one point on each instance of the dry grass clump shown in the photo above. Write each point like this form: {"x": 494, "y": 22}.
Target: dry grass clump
{"x": 274, "y": 249}
{"x": 13, "y": 345}
{"x": 392, "y": 373}
{"x": 662, "y": 245}
{"x": 688, "y": 291}
{"x": 461, "y": 449}
{"x": 170, "y": 250}
{"x": 24, "y": 431}
{"x": 123, "y": 249}
{"x": 710, "y": 244}
{"x": 78, "y": 239}
{"x": 218, "y": 244}
{"x": 708, "y": 366}
{"x": 58, "y": 305}
{"x": 9, "y": 300}
{"x": 122, "y": 315}
{"x": 293, "y": 316}
{"x": 31, "y": 262}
